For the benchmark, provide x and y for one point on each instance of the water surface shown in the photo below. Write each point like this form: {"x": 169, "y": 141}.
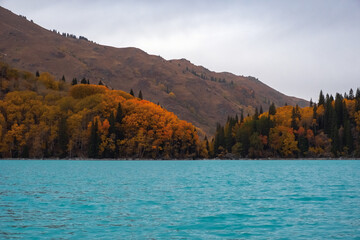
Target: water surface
{"x": 180, "y": 199}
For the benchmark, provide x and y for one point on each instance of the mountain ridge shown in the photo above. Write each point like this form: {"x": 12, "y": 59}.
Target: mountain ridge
{"x": 194, "y": 93}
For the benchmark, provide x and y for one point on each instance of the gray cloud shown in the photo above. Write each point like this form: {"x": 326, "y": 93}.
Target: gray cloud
{"x": 297, "y": 47}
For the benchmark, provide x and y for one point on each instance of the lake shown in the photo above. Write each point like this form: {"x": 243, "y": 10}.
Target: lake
{"x": 303, "y": 199}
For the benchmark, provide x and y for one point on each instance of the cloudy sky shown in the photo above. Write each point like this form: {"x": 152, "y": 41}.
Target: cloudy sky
{"x": 296, "y": 47}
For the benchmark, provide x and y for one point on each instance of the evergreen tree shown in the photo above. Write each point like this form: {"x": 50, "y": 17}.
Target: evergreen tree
{"x": 219, "y": 142}
{"x": 335, "y": 146}
{"x": 140, "y": 95}
{"x": 63, "y": 137}
{"x": 132, "y": 92}
{"x": 293, "y": 120}
{"x": 295, "y": 117}
{"x": 228, "y": 136}
{"x": 256, "y": 114}
{"x": 88, "y": 82}
{"x": 357, "y": 99}
{"x": 112, "y": 128}
{"x": 100, "y": 83}
{"x": 261, "y": 110}
{"x": 321, "y": 98}
{"x": 207, "y": 144}
{"x": 315, "y": 116}
{"x": 351, "y": 94}
{"x": 119, "y": 114}
{"x": 83, "y": 81}
{"x": 37, "y": 74}
{"x": 303, "y": 144}
{"x": 329, "y": 116}
{"x": 63, "y": 78}
{"x": 118, "y": 121}
{"x": 348, "y": 138}
{"x": 311, "y": 102}
{"x": 74, "y": 81}
{"x": 272, "y": 109}
{"x": 94, "y": 140}
{"x": 242, "y": 116}
{"x": 339, "y": 111}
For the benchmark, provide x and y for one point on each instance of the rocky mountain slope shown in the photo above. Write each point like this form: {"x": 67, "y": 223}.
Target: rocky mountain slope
{"x": 194, "y": 93}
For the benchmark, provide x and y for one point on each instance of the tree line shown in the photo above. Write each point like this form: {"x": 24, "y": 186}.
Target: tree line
{"x": 329, "y": 128}
{"x": 41, "y": 117}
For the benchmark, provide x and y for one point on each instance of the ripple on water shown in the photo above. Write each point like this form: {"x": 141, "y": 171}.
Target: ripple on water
{"x": 174, "y": 200}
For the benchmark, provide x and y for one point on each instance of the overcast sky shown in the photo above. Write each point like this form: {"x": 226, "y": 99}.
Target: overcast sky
{"x": 296, "y": 47}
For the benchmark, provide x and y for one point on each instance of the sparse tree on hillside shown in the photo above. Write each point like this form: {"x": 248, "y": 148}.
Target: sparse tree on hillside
{"x": 140, "y": 95}
{"x": 131, "y": 92}
{"x": 272, "y": 109}
{"x": 74, "y": 81}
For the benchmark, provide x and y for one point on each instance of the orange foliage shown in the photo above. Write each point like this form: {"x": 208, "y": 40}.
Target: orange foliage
{"x": 85, "y": 90}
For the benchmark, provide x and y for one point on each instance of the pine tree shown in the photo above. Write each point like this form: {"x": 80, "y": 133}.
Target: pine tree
{"x": 228, "y": 136}
{"x": 118, "y": 121}
{"x": 339, "y": 110}
{"x": 219, "y": 142}
{"x": 94, "y": 140}
{"x": 321, "y": 98}
{"x": 74, "y": 81}
{"x": 272, "y": 109}
{"x": 295, "y": 117}
{"x": 242, "y": 116}
{"x": 37, "y": 74}
{"x": 100, "y": 83}
{"x": 351, "y": 94}
{"x": 329, "y": 115}
{"x": 83, "y": 81}
{"x": 335, "y": 146}
{"x": 63, "y": 78}
{"x": 315, "y": 116}
{"x": 63, "y": 137}
{"x": 357, "y": 100}
{"x": 293, "y": 120}
{"x": 112, "y": 128}
{"x": 132, "y": 92}
{"x": 119, "y": 114}
{"x": 311, "y": 102}
{"x": 256, "y": 114}
{"x": 261, "y": 110}
{"x": 140, "y": 95}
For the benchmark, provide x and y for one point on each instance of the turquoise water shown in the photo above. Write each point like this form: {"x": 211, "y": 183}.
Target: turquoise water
{"x": 180, "y": 199}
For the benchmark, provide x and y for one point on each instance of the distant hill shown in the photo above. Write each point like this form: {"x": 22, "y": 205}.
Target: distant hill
{"x": 194, "y": 93}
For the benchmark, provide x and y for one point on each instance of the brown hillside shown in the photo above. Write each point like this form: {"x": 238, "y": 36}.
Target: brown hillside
{"x": 194, "y": 93}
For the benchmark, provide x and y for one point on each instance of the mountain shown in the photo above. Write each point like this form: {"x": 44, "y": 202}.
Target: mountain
{"x": 193, "y": 93}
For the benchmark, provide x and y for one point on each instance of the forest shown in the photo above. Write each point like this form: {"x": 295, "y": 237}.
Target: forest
{"x": 329, "y": 128}
{"x": 41, "y": 117}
